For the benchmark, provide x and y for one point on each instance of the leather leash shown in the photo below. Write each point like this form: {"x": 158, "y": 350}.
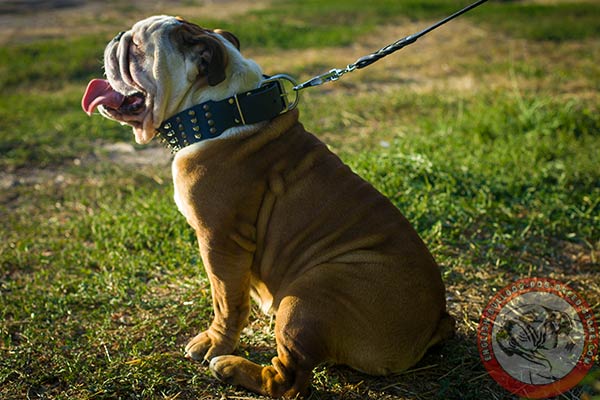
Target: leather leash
{"x": 335, "y": 74}
{"x": 210, "y": 119}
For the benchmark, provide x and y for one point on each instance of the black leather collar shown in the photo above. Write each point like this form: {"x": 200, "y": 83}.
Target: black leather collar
{"x": 210, "y": 119}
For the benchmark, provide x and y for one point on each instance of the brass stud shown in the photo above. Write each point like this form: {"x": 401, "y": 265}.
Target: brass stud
{"x": 211, "y": 122}
{"x": 231, "y": 101}
{"x": 205, "y": 107}
{"x": 177, "y": 119}
{"x": 173, "y": 141}
{"x": 170, "y": 133}
{"x": 198, "y": 135}
{"x": 237, "y": 121}
{"x": 167, "y": 126}
{"x": 194, "y": 120}
{"x": 213, "y": 130}
{"x": 196, "y": 128}
{"x": 192, "y": 112}
{"x": 208, "y": 115}
{"x": 180, "y": 127}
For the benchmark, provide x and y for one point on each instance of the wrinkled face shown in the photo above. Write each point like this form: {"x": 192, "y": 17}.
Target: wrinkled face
{"x": 162, "y": 66}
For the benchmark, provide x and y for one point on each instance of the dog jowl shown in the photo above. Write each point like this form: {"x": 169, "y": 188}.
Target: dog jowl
{"x": 279, "y": 218}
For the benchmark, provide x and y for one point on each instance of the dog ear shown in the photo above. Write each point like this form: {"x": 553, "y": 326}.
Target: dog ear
{"x": 229, "y": 36}
{"x": 208, "y": 52}
{"x": 212, "y": 60}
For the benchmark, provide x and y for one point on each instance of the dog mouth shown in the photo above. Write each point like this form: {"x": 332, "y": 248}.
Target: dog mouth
{"x": 100, "y": 94}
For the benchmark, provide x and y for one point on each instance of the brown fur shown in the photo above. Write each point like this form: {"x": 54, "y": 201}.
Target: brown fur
{"x": 279, "y": 215}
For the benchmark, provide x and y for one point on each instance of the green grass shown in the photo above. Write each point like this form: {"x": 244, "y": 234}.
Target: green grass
{"x": 314, "y": 23}
{"x": 547, "y": 22}
{"x": 526, "y": 167}
{"x": 42, "y": 128}
{"x": 48, "y": 64}
{"x": 101, "y": 284}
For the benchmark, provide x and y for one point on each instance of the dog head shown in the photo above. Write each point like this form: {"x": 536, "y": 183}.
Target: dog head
{"x": 162, "y": 66}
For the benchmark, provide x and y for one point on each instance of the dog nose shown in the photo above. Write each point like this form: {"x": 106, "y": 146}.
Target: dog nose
{"x": 119, "y": 36}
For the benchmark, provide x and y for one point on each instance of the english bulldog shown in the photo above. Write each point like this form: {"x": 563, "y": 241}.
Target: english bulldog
{"x": 278, "y": 216}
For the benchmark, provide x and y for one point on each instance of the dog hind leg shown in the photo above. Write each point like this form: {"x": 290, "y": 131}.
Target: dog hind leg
{"x": 276, "y": 380}
{"x": 299, "y": 350}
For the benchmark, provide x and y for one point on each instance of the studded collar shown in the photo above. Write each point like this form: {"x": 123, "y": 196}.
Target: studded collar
{"x": 210, "y": 119}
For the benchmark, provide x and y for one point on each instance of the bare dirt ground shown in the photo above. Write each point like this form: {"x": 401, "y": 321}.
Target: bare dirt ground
{"x": 25, "y": 20}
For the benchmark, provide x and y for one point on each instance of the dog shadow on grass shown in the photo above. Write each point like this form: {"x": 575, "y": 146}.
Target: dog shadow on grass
{"x": 449, "y": 370}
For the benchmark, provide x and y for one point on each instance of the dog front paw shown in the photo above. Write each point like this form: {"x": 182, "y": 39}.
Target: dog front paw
{"x": 206, "y": 346}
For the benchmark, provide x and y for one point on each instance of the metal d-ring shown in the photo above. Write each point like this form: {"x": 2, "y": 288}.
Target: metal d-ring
{"x": 284, "y": 80}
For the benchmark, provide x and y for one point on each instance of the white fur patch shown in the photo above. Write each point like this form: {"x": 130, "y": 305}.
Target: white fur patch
{"x": 182, "y": 200}
{"x": 183, "y": 206}
{"x": 172, "y": 81}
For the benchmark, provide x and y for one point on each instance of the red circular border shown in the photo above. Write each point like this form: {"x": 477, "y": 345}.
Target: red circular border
{"x": 486, "y": 351}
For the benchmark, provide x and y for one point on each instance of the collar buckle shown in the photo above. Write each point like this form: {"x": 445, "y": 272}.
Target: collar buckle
{"x": 287, "y": 86}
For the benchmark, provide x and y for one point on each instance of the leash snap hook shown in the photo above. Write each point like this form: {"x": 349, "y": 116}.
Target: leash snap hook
{"x": 330, "y": 76}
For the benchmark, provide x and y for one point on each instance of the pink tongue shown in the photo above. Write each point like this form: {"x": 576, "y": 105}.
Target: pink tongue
{"x": 99, "y": 92}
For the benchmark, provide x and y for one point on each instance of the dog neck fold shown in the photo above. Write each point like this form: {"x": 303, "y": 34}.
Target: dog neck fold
{"x": 210, "y": 119}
